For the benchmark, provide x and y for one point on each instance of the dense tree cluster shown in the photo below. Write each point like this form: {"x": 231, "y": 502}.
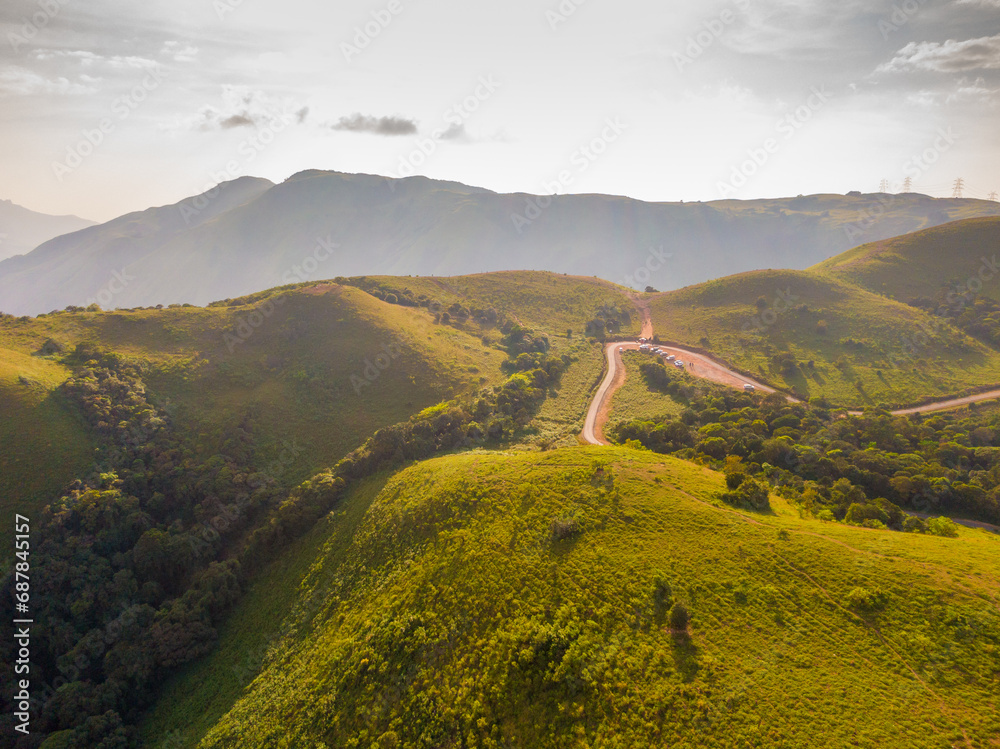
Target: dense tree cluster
{"x": 858, "y": 469}
{"x": 608, "y": 320}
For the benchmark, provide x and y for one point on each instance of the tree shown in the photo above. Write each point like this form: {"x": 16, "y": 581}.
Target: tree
{"x": 678, "y": 617}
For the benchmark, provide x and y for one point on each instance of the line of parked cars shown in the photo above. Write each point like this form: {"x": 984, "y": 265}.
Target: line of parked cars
{"x": 646, "y": 347}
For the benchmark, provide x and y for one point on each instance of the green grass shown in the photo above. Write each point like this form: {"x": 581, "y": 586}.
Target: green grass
{"x": 290, "y": 381}
{"x": 918, "y": 265}
{"x": 446, "y": 609}
{"x": 859, "y": 356}
{"x": 43, "y": 444}
{"x": 635, "y": 399}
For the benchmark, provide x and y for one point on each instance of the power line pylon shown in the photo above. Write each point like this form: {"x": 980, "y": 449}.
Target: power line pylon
{"x": 908, "y": 184}
{"x": 883, "y": 186}
{"x": 959, "y": 186}
{"x": 994, "y": 196}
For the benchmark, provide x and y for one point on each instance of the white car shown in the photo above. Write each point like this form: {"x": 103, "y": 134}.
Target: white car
{"x": 748, "y": 387}
{"x": 678, "y": 363}
{"x": 671, "y": 357}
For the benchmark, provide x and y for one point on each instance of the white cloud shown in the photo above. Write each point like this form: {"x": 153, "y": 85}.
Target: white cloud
{"x": 245, "y": 107}
{"x": 951, "y": 56}
{"x": 180, "y": 51}
{"x": 21, "y": 82}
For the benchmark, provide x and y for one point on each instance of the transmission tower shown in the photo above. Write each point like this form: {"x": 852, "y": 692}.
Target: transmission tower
{"x": 908, "y": 184}
{"x": 959, "y": 186}
{"x": 883, "y": 186}
{"x": 994, "y": 196}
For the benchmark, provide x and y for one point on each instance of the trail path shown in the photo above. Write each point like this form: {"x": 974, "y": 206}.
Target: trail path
{"x": 702, "y": 366}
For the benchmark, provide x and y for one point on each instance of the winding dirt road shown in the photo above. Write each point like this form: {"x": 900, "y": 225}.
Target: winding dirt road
{"x": 701, "y": 366}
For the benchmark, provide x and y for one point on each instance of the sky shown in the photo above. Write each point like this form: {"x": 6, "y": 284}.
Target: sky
{"x": 111, "y": 106}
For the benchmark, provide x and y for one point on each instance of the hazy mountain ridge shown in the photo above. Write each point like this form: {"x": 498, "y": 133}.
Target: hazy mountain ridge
{"x": 325, "y": 224}
{"x": 22, "y": 230}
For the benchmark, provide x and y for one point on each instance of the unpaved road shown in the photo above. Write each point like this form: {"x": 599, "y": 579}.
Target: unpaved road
{"x": 701, "y": 366}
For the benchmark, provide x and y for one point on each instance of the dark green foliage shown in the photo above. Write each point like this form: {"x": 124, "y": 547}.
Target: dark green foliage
{"x": 678, "y": 617}
{"x": 883, "y": 464}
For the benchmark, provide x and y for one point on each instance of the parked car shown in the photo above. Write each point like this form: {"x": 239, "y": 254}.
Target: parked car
{"x": 671, "y": 357}
{"x": 748, "y": 387}
{"x": 678, "y": 363}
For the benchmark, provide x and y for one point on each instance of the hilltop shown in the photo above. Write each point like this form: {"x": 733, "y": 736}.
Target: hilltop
{"x": 518, "y": 599}
{"x": 958, "y": 258}
{"x": 250, "y": 234}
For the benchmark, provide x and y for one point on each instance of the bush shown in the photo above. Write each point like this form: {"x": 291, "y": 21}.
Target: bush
{"x": 678, "y": 617}
{"x": 751, "y": 494}
{"x": 942, "y": 526}
{"x": 564, "y": 527}
{"x": 866, "y": 600}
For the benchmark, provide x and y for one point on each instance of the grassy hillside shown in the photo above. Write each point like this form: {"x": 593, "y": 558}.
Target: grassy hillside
{"x": 522, "y": 600}
{"x": 44, "y": 443}
{"x": 921, "y": 264}
{"x": 864, "y": 349}
{"x": 280, "y": 365}
{"x": 292, "y": 367}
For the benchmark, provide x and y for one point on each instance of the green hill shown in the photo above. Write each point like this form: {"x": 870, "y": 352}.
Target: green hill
{"x": 293, "y": 369}
{"x": 920, "y": 265}
{"x": 518, "y": 599}
{"x": 806, "y": 333}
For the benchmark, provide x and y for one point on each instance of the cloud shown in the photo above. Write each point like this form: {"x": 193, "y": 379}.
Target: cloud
{"x": 245, "y": 107}
{"x": 89, "y": 59}
{"x": 456, "y": 132}
{"x": 388, "y": 126}
{"x": 947, "y": 57}
{"x": 180, "y": 51}
{"x": 21, "y": 82}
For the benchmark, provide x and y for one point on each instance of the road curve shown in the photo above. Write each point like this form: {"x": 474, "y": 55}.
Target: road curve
{"x": 701, "y": 366}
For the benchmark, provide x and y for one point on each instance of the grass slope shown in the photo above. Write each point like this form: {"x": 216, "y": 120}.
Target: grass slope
{"x": 44, "y": 444}
{"x": 445, "y": 613}
{"x": 289, "y": 378}
{"x": 635, "y": 399}
{"x": 858, "y": 341}
{"x": 920, "y": 264}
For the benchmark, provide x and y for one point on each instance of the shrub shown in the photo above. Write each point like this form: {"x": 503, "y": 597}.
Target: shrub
{"x": 751, "y": 494}
{"x": 678, "y": 617}
{"x": 564, "y": 527}
{"x": 866, "y": 600}
{"x": 942, "y": 526}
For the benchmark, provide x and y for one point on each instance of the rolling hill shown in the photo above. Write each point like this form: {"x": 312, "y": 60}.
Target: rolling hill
{"x": 297, "y": 363}
{"x": 959, "y": 257}
{"x": 22, "y": 230}
{"x": 526, "y": 599}
{"x": 808, "y": 334}
{"x": 249, "y": 234}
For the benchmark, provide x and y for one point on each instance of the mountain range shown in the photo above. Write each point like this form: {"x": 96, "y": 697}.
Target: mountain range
{"x": 22, "y": 230}
{"x": 251, "y": 234}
